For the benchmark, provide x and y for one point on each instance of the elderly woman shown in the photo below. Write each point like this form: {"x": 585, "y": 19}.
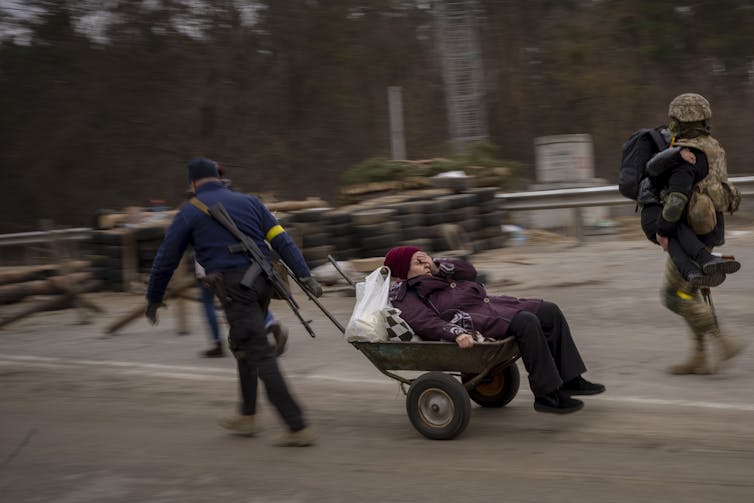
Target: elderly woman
{"x": 441, "y": 300}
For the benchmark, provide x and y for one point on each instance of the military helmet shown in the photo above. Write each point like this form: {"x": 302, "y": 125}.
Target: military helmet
{"x": 690, "y": 107}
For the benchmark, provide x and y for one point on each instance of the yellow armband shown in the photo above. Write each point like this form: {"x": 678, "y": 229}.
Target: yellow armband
{"x": 274, "y": 232}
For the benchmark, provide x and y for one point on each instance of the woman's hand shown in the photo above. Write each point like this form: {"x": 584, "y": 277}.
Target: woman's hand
{"x": 423, "y": 258}
{"x": 465, "y": 341}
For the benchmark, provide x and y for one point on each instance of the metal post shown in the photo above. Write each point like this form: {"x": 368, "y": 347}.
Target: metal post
{"x": 395, "y": 106}
{"x": 577, "y": 224}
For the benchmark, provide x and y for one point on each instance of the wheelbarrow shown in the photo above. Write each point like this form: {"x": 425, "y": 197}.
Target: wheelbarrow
{"x": 437, "y": 402}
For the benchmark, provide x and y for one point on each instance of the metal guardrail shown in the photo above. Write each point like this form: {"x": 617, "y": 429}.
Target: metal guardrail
{"x": 37, "y": 237}
{"x": 590, "y": 196}
{"x": 607, "y": 195}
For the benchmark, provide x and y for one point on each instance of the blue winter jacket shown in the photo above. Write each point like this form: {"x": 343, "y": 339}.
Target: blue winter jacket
{"x": 211, "y": 240}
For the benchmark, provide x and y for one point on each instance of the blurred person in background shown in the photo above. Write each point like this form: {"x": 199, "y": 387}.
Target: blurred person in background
{"x": 277, "y": 332}
{"x": 207, "y": 299}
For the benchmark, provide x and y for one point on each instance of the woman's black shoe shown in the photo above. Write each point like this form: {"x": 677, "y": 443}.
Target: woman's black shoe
{"x": 580, "y": 386}
{"x": 557, "y": 402}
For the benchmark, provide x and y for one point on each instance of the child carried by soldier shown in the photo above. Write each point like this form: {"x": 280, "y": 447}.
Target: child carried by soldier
{"x": 665, "y": 194}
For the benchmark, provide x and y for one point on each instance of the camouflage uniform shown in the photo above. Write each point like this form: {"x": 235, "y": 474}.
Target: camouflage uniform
{"x": 677, "y": 293}
{"x": 680, "y": 297}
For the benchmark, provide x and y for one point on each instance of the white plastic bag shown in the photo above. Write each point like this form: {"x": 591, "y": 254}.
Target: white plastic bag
{"x": 372, "y": 295}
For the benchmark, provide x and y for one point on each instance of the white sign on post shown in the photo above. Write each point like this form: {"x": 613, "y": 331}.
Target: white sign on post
{"x": 564, "y": 158}
{"x": 565, "y": 161}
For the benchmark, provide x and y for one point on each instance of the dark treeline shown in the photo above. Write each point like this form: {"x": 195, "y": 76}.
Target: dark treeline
{"x": 291, "y": 101}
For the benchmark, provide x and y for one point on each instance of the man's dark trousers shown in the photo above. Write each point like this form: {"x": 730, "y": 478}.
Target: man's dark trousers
{"x": 246, "y": 311}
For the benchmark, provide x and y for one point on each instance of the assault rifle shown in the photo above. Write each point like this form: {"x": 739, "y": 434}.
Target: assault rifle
{"x": 259, "y": 262}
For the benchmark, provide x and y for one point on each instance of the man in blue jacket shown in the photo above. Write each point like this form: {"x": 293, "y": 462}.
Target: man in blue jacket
{"x": 245, "y": 305}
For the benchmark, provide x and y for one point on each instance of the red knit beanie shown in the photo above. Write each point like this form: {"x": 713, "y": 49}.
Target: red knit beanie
{"x": 399, "y": 260}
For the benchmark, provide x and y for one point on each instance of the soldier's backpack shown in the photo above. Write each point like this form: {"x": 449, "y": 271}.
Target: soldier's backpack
{"x": 635, "y": 152}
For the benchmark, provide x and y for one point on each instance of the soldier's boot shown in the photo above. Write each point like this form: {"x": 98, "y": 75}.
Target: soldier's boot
{"x": 696, "y": 364}
{"x": 729, "y": 346}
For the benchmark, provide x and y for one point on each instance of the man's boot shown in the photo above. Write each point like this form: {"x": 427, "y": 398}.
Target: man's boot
{"x": 240, "y": 425}
{"x": 696, "y": 364}
{"x": 301, "y": 438}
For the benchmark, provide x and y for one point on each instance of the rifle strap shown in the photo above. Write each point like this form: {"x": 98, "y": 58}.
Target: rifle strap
{"x": 202, "y": 207}
{"x": 205, "y": 209}
{"x": 277, "y": 282}
{"x": 255, "y": 268}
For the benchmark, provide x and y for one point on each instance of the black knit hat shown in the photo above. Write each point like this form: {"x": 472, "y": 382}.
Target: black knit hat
{"x": 201, "y": 167}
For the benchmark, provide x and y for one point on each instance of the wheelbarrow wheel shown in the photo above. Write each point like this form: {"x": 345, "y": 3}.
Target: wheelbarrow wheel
{"x": 497, "y": 389}
{"x": 438, "y": 406}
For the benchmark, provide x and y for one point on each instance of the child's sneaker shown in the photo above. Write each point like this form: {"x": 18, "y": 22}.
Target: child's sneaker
{"x": 721, "y": 265}
{"x": 698, "y": 279}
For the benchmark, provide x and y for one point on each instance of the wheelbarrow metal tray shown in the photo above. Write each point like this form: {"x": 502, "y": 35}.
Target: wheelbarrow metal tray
{"x": 438, "y": 356}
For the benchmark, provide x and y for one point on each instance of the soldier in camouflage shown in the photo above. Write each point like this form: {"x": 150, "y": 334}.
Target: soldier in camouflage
{"x": 689, "y": 126}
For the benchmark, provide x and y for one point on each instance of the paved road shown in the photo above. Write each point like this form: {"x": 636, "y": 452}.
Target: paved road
{"x": 87, "y": 418}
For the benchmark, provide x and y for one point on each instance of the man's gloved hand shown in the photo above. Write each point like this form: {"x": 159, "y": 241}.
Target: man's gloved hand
{"x": 312, "y": 285}
{"x": 674, "y": 206}
{"x": 151, "y": 311}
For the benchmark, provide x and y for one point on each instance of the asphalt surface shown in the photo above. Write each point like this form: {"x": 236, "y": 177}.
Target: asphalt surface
{"x": 86, "y": 417}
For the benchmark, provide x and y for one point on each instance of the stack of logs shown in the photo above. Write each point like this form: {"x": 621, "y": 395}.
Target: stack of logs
{"x": 46, "y": 287}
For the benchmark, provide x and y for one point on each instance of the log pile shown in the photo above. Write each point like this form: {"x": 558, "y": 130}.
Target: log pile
{"x": 46, "y": 287}
{"x": 124, "y": 244}
{"x": 179, "y": 291}
{"x": 439, "y": 215}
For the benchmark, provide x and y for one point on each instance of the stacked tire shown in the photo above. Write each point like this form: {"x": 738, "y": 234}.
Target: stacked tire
{"x": 486, "y": 233}
{"x": 105, "y": 253}
{"x": 314, "y": 235}
{"x": 376, "y": 231}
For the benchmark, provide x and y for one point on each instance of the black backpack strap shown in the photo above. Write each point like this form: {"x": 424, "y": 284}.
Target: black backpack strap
{"x": 658, "y": 139}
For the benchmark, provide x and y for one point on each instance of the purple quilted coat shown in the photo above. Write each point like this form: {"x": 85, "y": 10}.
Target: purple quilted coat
{"x": 442, "y": 306}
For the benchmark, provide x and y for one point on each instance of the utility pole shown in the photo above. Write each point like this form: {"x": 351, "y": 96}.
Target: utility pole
{"x": 397, "y": 136}
{"x": 462, "y": 69}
